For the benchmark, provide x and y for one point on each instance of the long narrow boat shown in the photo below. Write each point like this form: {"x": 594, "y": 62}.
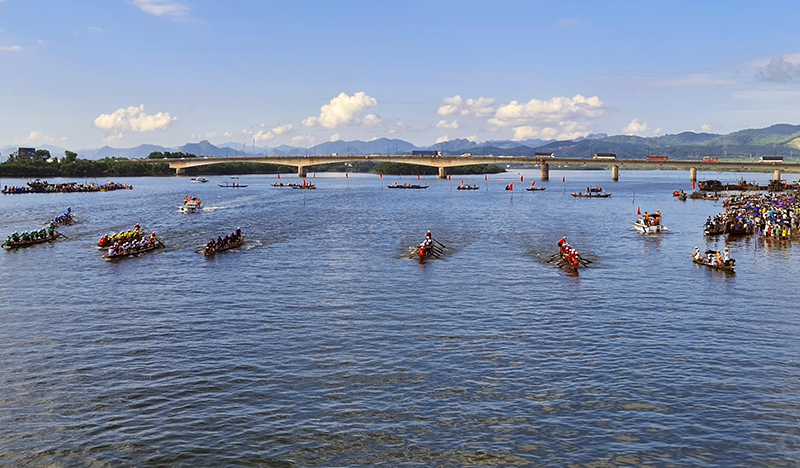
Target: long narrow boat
{"x": 591, "y": 195}
{"x": 27, "y": 243}
{"x": 407, "y": 186}
{"x": 135, "y": 252}
{"x": 467, "y": 187}
{"x": 723, "y": 267}
{"x": 536, "y": 189}
{"x": 233, "y": 245}
{"x": 64, "y": 219}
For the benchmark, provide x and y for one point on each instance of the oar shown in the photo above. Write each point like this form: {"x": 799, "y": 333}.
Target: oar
{"x": 443, "y": 246}
{"x": 585, "y": 261}
{"x": 552, "y": 257}
{"x": 62, "y": 235}
{"x": 415, "y": 252}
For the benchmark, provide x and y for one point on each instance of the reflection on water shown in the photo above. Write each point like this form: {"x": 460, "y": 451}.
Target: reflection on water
{"x": 320, "y": 343}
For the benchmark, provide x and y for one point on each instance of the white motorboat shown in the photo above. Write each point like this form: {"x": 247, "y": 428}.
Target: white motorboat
{"x": 201, "y": 180}
{"x": 648, "y": 228}
{"x": 190, "y": 205}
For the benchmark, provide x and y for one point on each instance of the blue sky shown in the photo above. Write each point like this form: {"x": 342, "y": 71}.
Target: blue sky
{"x": 81, "y": 74}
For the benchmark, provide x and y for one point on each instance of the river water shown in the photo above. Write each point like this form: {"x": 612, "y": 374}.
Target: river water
{"x": 319, "y": 343}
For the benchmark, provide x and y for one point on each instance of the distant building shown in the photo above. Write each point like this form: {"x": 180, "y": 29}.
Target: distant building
{"x": 23, "y": 153}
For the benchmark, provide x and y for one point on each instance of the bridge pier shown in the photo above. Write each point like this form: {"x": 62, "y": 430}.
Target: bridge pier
{"x": 615, "y": 173}
{"x": 442, "y": 172}
{"x": 777, "y": 174}
{"x": 301, "y": 171}
{"x": 693, "y": 174}
{"x": 180, "y": 171}
{"x": 545, "y": 172}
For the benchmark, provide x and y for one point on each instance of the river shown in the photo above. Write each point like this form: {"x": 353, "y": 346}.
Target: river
{"x": 319, "y": 343}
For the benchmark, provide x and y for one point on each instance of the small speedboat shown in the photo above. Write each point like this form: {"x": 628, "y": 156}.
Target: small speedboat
{"x": 648, "y": 228}
{"x": 192, "y": 205}
{"x": 201, "y": 180}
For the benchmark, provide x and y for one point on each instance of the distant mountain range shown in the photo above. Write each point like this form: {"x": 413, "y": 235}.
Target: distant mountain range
{"x": 781, "y": 140}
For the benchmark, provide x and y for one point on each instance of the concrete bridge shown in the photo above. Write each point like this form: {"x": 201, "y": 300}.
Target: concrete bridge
{"x": 302, "y": 163}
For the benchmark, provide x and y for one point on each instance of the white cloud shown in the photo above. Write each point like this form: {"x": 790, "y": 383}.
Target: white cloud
{"x": 372, "y": 120}
{"x": 166, "y": 8}
{"x": 562, "y": 131}
{"x": 39, "y": 137}
{"x": 448, "y": 125}
{"x": 227, "y": 134}
{"x": 113, "y": 138}
{"x": 705, "y": 127}
{"x": 280, "y": 129}
{"x": 303, "y": 140}
{"x": 344, "y": 110}
{"x": 557, "y": 109}
{"x": 443, "y": 139}
{"x": 133, "y": 119}
{"x": 635, "y": 128}
{"x": 780, "y": 69}
{"x": 694, "y": 80}
{"x": 95, "y": 29}
{"x": 472, "y": 138}
{"x": 14, "y": 48}
{"x": 481, "y": 107}
{"x": 336, "y": 137}
{"x": 373, "y": 138}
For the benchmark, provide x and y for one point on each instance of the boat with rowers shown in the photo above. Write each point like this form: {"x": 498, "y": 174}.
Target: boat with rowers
{"x": 27, "y": 239}
{"x": 121, "y": 237}
{"x": 427, "y": 248}
{"x": 533, "y": 188}
{"x": 191, "y": 205}
{"x": 568, "y": 258}
{"x": 133, "y": 248}
{"x": 233, "y": 184}
{"x": 467, "y": 187}
{"x": 407, "y": 186}
{"x": 235, "y": 239}
{"x": 305, "y": 186}
{"x": 650, "y": 224}
{"x": 592, "y": 192}
{"x": 714, "y": 260}
{"x": 199, "y": 180}
{"x": 63, "y": 219}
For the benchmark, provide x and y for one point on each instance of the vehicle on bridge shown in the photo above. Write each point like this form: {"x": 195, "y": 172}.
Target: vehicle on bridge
{"x": 655, "y": 157}
{"x": 770, "y": 159}
{"x": 605, "y": 156}
{"x": 425, "y": 153}
{"x": 544, "y": 155}
{"x": 710, "y": 159}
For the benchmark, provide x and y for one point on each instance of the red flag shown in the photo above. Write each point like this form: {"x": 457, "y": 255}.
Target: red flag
{"x": 694, "y": 185}
{"x": 279, "y": 176}
{"x": 486, "y": 177}
{"x": 533, "y": 183}
{"x": 346, "y": 175}
{"x": 511, "y": 186}
{"x": 462, "y": 181}
{"x": 449, "y": 177}
{"x": 563, "y": 179}
{"x": 381, "y": 176}
{"x": 522, "y": 178}
{"x": 418, "y": 177}
{"x": 304, "y": 182}
{"x": 638, "y": 211}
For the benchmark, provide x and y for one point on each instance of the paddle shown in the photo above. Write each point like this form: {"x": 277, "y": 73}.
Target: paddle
{"x": 553, "y": 257}
{"x": 443, "y": 246}
{"x": 62, "y": 235}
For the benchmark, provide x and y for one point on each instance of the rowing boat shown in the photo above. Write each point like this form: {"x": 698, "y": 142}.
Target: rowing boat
{"x": 135, "y": 252}
{"x": 535, "y": 189}
{"x": 467, "y": 187}
{"x": 723, "y": 267}
{"x": 209, "y": 252}
{"x": 591, "y": 195}
{"x": 27, "y": 243}
{"x": 407, "y": 186}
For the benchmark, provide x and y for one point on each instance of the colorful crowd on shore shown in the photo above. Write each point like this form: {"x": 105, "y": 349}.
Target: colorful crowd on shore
{"x": 772, "y": 215}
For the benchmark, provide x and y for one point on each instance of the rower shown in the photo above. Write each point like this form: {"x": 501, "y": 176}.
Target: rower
{"x": 726, "y": 256}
